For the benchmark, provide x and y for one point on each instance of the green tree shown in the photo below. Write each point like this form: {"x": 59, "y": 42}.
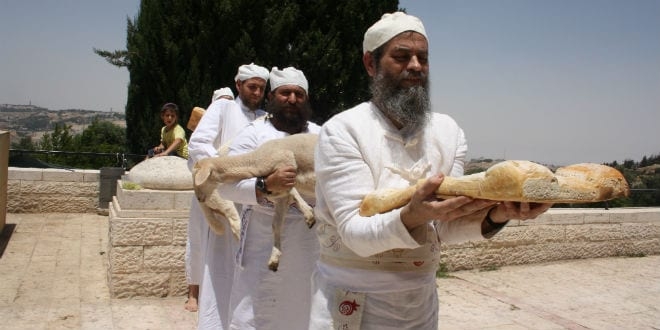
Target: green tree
{"x": 180, "y": 51}
{"x": 25, "y": 143}
{"x": 61, "y": 139}
{"x": 99, "y": 137}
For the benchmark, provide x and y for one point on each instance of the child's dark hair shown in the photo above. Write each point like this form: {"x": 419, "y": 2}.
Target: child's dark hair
{"x": 171, "y": 107}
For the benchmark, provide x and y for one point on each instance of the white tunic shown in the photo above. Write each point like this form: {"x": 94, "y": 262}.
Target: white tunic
{"x": 373, "y": 273}
{"x": 209, "y": 257}
{"x": 261, "y": 298}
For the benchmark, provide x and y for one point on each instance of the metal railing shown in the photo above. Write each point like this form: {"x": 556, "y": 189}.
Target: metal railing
{"x": 53, "y": 158}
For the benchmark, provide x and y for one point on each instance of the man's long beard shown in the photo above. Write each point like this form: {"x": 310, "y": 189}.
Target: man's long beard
{"x": 289, "y": 121}
{"x": 409, "y": 107}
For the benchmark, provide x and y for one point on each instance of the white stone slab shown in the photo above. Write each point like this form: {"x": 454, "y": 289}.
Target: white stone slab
{"x": 162, "y": 173}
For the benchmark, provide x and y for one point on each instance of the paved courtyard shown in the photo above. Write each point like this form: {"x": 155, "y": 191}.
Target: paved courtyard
{"x": 53, "y": 276}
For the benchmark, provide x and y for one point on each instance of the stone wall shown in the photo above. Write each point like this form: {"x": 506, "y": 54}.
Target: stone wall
{"x": 35, "y": 190}
{"x": 562, "y": 234}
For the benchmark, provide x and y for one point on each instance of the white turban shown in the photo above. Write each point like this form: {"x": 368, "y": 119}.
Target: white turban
{"x": 247, "y": 71}
{"x": 287, "y": 76}
{"x": 225, "y": 91}
{"x": 389, "y": 26}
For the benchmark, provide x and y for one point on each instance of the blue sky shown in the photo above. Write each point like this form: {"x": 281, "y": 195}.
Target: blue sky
{"x": 552, "y": 81}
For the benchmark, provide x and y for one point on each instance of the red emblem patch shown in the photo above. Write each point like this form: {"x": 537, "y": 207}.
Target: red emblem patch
{"x": 348, "y": 307}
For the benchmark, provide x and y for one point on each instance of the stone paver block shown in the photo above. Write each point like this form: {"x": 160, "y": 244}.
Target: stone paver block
{"x": 164, "y": 258}
{"x": 178, "y": 284}
{"x": 145, "y": 199}
{"x": 72, "y": 204}
{"x": 91, "y": 176}
{"x": 58, "y": 175}
{"x": 19, "y": 173}
{"x": 141, "y": 232}
{"x": 22, "y": 204}
{"x": 125, "y": 259}
{"x": 597, "y": 217}
{"x": 60, "y": 188}
{"x": 556, "y": 218}
{"x": 140, "y": 285}
{"x": 183, "y": 199}
{"x": 180, "y": 231}
{"x": 624, "y": 217}
{"x": 523, "y": 235}
{"x": 640, "y": 230}
{"x": 594, "y": 232}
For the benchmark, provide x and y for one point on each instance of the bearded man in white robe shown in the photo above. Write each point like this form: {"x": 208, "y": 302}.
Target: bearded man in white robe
{"x": 378, "y": 272}
{"x": 210, "y": 257}
{"x": 261, "y": 298}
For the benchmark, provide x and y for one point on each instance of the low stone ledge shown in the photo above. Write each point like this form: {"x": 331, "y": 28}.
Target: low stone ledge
{"x": 151, "y": 199}
{"x": 32, "y": 190}
{"x": 148, "y": 213}
{"x": 628, "y": 233}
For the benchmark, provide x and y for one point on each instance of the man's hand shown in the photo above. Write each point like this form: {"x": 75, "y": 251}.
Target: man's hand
{"x": 425, "y": 206}
{"x": 283, "y": 179}
{"x": 514, "y": 210}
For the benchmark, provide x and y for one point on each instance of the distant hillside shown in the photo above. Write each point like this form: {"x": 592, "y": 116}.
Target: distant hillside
{"x": 34, "y": 121}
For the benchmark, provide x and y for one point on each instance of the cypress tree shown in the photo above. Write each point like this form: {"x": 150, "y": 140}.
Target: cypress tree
{"x": 181, "y": 51}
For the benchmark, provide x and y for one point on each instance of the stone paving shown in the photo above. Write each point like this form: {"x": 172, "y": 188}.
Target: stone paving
{"x": 53, "y": 276}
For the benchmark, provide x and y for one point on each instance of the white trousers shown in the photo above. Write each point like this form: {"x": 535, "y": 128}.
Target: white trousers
{"x": 263, "y": 299}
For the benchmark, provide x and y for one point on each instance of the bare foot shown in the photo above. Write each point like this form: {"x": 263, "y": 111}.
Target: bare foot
{"x": 191, "y": 303}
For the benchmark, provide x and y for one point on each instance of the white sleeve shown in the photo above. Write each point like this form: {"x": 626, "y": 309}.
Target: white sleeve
{"x": 343, "y": 178}
{"x": 203, "y": 139}
{"x": 461, "y": 153}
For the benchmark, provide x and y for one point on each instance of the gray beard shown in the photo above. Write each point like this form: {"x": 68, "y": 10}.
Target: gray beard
{"x": 410, "y": 107}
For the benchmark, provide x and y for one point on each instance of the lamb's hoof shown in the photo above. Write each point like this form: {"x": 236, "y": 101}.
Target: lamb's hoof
{"x": 274, "y": 261}
{"x": 310, "y": 223}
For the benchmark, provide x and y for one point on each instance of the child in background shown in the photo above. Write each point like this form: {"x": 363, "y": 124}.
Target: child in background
{"x": 172, "y": 136}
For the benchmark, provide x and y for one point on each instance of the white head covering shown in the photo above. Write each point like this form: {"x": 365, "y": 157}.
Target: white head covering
{"x": 388, "y": 27}
{"x": 247, "y": 71}
{"x": 287, "y": 76}
{"x": 224, "y": 91}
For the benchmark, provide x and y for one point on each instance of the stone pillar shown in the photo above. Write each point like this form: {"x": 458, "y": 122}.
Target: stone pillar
{"x": 4, "y": 173}
{"x": 148, "y": 230}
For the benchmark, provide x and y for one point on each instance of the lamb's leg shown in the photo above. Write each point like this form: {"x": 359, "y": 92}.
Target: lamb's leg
{"x": 307, "y": 211}
{"x": 213, "y": 219}
{"x": 281, "y": 208}
{"x": 216, "y": 210}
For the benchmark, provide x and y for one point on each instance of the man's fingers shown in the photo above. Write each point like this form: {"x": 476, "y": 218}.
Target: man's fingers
{"x": 430, "y": 186}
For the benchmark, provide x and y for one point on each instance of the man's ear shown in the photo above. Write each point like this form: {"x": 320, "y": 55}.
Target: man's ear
{"x": 369, "y": 63}
{"x": 238, "y": 85}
